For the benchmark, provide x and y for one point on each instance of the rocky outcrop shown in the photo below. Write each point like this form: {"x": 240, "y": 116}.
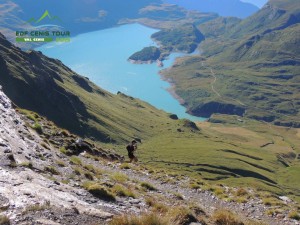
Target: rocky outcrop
{"x": 22, "y": 158}
{"x": 209, "y": 108}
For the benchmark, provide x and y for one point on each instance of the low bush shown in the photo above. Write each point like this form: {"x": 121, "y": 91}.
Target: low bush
{"x": 122, "y": 191}
{"x": 224, "y": 217}
{"x": 148, "y": 186}
{"x": 99, "y": 191}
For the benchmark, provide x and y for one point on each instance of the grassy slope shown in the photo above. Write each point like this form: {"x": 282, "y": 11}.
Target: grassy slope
{"x": 46, "y": 86}
{"x": 170, "y": 144}
{"x": 230, "y": 154}
{"x": 234, "y": 153}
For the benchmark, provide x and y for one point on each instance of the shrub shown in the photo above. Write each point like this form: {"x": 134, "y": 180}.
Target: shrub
{"x": 99, "y": 191}
{"x": 148, "y": 186}
{"x": 224, "y": 217}
{"x": 150, "y": 219}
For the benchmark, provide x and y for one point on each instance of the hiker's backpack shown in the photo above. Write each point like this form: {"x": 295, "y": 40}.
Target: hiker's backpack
{"x": 129, "y": 148}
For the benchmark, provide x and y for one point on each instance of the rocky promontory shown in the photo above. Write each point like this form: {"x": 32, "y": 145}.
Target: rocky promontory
{"x": 147, "y": 55}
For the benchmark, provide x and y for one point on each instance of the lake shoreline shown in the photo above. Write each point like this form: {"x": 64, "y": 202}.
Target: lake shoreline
{"x": 106, "y": 64}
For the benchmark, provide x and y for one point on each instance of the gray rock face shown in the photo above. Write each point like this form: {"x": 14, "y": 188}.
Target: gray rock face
{"x": 21, "y": 187}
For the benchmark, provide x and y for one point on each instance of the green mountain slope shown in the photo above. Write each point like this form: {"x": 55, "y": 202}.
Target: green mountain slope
{"x": 44, "y": 85}
{"x": 249, "y": 68}
{"x": 258, "y": 156}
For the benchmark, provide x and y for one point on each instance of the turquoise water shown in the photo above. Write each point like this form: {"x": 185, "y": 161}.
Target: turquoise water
{"x": 102, "y": 57}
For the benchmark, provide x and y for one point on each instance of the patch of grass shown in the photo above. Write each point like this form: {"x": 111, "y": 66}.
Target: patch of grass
{"x": 125, "y": 166}
{"x": 253, "y": 222}
{"x": 63, "y": 150}
{"x": 75, "y": 160}
{"x": 78, "y": 171}
{"x": 37, "y": 207}
{"x": 241, "y": 192}
{"x": 195, "y": 186}
{"x": 178, "y": 196}
{"x": 90, "y": 168}
{"x": 65, "y": 181}
{"x": 99, "y": 191}
{"x": 241, "y": 200}
{"x": 294, "y": 215}
{"x": 148, "y": 186}
{"x": 60, "y": 163}
{"x": 89, "y": 175}
{"x": 27, "y": 164}
{"x": 4, "y": 220}
{"x": 182, "y": 215}
{"x": 122, "y": 191}
{"x": 41, "y": 157}
{"x": 38, "y": 127}
{"x": 45, "y": 145}
{"x": 156, "y": 205}
{"x": 119, "y": 177}
{"x": 271, "y": 201}
{"x": 150, "y": 219}
{"x": 52, "y": 169}
{"x": 224, "y": 217}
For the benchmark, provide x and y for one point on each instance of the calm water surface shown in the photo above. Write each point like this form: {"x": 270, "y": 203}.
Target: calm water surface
{"x": 102, "y": 57}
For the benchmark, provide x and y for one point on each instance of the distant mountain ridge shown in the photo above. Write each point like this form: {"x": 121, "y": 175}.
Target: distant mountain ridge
{"x": 234, "y": 8}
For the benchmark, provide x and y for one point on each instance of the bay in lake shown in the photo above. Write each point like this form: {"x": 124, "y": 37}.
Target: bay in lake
{"x": 102, "y": 57}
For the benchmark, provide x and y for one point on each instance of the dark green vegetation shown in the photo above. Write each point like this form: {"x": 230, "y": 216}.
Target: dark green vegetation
{"x": 146, "y": 54}
{"x": 249, "y": 67}
{"x": 183, "y": 39}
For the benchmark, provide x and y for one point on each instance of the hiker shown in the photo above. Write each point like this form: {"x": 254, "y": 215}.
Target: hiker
{"x": 131, "y": 148}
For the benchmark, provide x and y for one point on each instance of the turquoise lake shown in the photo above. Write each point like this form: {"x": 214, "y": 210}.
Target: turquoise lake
{"x": 102, "y": 57}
